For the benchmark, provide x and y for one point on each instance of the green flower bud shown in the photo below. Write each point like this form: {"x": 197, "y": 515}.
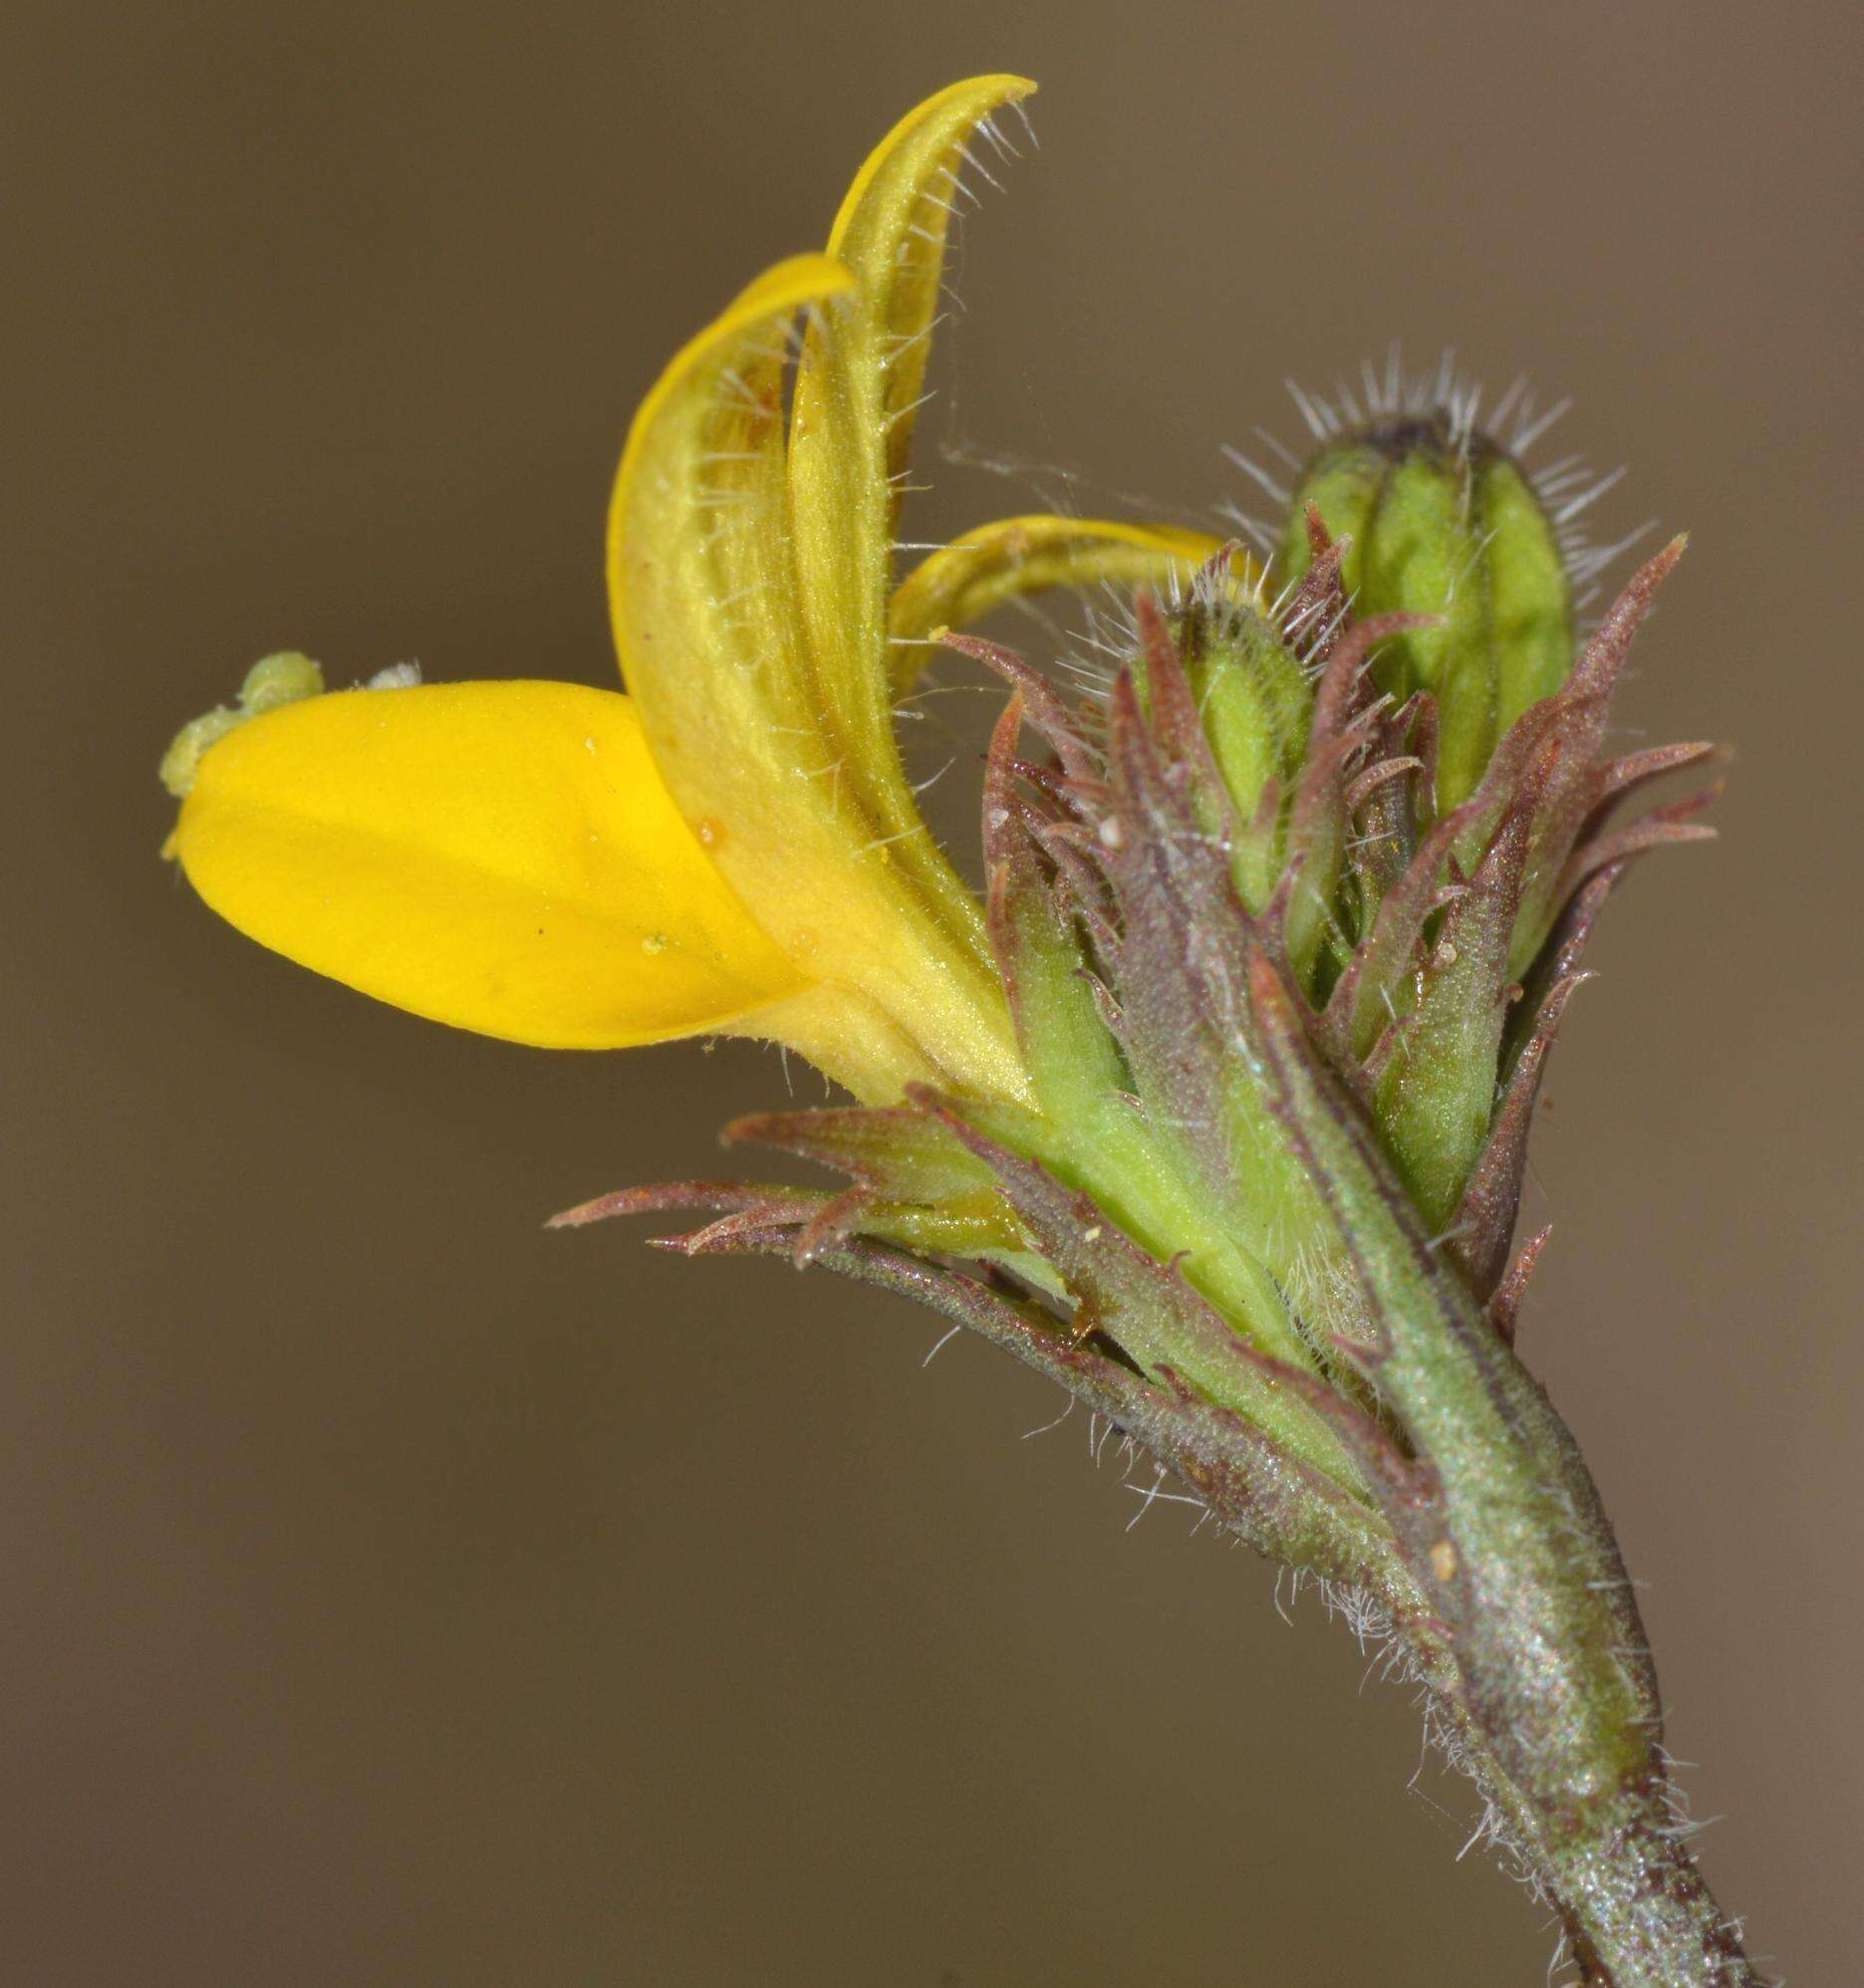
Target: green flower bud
{"x": 1442, "y": 521}
{"x": 1254, "y": 699}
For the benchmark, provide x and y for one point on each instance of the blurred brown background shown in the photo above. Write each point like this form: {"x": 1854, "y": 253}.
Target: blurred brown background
{"x": 393, "y": 1593}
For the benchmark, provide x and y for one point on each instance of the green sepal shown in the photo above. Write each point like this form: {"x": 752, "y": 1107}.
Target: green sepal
{"x": 1437, "y": 1093}
{"x": 914, "y": 1183}
{"x": 1151, "y": 1308}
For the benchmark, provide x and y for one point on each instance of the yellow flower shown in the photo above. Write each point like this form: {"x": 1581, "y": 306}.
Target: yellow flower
{"x": 732, "y": 846}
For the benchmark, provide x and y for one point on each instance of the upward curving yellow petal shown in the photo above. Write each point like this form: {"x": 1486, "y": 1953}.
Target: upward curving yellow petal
{"x": 702, "y": 579}
{"x": 503, "y": 856}
{"x": 857, "y": 388}
{"x": 891, "y": 233}
{"x": 1012, "y": 557}
{"x": 814, "y": 830}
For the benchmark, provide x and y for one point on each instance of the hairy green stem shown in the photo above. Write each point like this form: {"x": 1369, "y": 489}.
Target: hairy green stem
{"x": 1498, "y": 1520}
{"x": 1635, "y": 1908}
{"x": 1492, "y": 1563}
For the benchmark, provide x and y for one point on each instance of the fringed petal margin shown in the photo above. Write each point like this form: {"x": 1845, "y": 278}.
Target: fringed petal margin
{"x": 858, "y": 386}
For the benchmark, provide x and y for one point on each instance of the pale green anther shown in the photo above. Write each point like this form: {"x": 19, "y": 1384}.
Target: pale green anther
{"x": 284, "y": 678}
{"x": 187, "y": 745}
{"x": 278, "y": 679}
{"x": 1446, "y": 524}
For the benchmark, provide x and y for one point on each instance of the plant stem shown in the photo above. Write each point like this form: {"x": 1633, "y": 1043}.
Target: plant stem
{"x": 1532, "y": 1636}
{"x": 1636, "y": 1910}
{"x": 1500, "y": 1572}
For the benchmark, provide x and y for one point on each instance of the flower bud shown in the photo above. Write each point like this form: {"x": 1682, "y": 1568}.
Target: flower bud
{"x": 1442, "y": 521}
{"x": 1254, "y": 699}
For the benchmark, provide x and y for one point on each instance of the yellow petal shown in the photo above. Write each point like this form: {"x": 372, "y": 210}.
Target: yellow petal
{"x": 857, "y": 387}
{"x": 999, "y": 561}
{"x": 503, "y": 856}
{"x": 818, "y": 839}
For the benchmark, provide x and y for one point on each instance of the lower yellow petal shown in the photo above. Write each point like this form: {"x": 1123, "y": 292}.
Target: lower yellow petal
{"x": 501, "y": 856}
{"x": 1012, "y": 557}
